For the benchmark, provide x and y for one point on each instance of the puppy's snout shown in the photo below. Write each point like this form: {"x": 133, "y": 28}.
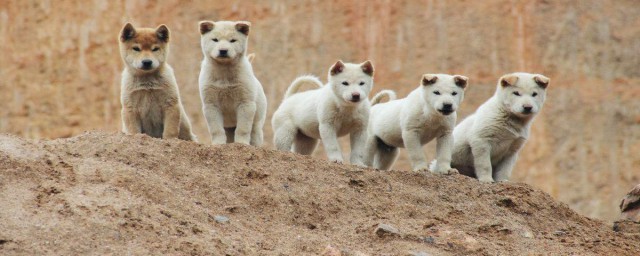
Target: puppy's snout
{"x": 224, "y": 53}
{"x": 147, "y": 64}
{"x": 447, "y": 106}
{"x": 527, "y": 108}
{"x": 355, "y": 97}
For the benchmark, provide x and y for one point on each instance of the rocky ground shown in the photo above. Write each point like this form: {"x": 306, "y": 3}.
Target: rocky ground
{"x": 108, "y": 193}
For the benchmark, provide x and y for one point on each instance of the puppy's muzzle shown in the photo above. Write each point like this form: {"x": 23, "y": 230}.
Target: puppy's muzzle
{"x": 527, "y": 109}
{"x": 355, "y": 97}
{"x": 447, "y": 109}
{"x": 147, "y": 64}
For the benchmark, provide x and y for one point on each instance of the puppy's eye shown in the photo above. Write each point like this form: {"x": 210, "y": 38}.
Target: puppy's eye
{"x": 232, "y": 40}
{"x": 534, "y": 94}
{"x": 155, "y": 49}
{"x": 436, "y": 92}
{"x": 215, "y": 40}
{"x": 454, "y": 93}
{"x": 136, "y": 48}
{"x": 516, "y": 93}
{"x": 361, "y": 83}
{"x": 345, "y": 83}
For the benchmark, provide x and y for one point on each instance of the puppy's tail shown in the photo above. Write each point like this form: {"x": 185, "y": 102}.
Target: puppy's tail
{"x": 251, "y": 57}
{"x": 379, "y": 96}
{"x": 300, "y": 81}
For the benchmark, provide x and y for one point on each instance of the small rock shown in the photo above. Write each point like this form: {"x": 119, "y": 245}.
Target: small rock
{"x": 221, "y": 219}
{"x": 385, "y": 230}
{"x": 527, "y": 234}
{"x": 559, "y": 233}
{"x": 331, "y": 251}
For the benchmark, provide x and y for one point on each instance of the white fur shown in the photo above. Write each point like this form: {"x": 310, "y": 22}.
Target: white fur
{"x": 233, "y": 100}
{"x": 414, "y": 121}
{"x": 326, "y": 113}
{"x": 487, "y": 143}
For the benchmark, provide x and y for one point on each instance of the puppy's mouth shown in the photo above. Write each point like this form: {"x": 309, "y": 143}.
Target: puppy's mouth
{"x": 446, "y": 112}
{"x": 355, "y": 100}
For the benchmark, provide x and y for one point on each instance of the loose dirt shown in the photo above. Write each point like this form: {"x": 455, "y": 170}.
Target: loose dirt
{"x": 108, "y": 193}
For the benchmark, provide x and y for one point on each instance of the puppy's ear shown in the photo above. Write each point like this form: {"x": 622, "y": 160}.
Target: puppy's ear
{"x": 461, "y": 81}
{"x": 508, "y": 80}
{"x": 243, "y": 27}
{"x": 428, "y": 79}
{"x": 128, "y": 32}
{"x": 367, "y": 67}
{"x": 162, "y": 32}
{"x": 542, "y": 81}
{"x": 206, "y": 26}
{"x": 336, "y": 68}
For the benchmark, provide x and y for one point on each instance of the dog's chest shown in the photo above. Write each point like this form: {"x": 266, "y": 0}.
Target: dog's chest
{"x": 348, "y": 121}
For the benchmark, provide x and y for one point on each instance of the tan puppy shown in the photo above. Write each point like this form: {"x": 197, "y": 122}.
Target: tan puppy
{"x": 149, "y": 95}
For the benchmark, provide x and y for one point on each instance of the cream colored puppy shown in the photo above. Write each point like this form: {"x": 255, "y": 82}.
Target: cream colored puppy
{"x": 149, "y": 95}
{"x": 428, "y": 112}
{"x": 233, "y": 100}
{"x": 339, "y": 108}
{"x": 487, "y": 142}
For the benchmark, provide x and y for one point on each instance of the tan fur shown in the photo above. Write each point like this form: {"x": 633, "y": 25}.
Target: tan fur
{"x": 149, "y": 96}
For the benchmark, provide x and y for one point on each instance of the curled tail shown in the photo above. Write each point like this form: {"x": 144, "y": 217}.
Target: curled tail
{"x": 379, "y": 96}
{"x": 251, "y": 57}
{"x": 300, "y": 81}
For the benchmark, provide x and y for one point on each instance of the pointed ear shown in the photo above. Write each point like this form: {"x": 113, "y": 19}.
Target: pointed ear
{"x": 428, "y": 79}
{"x": 461, "y": 81}
{"x": 336, "y": 68}
{"x": 162, "y": 32}
{"x": 206, "y": 26}
{"x": 128, "y": 32}
{"x": 542, "y": 81}
{"x": 367, "y": 67}
{"x": 243, "y": 27}
{"x": 508, "y": 80}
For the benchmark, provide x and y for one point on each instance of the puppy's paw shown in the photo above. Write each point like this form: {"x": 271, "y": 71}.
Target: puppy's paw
{"x": 446, "y": 171}
{"x": 336, "y": 159}
{"x": 486, "y": 180}
{"x": 421, "y": 168}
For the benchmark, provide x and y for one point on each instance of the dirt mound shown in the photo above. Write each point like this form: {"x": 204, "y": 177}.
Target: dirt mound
{"x": 106, "y": 193}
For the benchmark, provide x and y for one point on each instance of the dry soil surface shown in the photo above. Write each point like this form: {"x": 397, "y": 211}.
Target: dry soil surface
{"x": 108, "y": 193}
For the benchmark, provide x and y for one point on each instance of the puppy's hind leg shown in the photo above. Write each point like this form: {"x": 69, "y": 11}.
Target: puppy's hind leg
{"x": 304, "y": 144}
{"x": 385, "y": 155}
{"x": 284, "y": 135}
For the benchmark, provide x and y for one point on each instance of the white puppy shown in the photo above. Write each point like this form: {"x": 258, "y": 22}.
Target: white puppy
{"x": 487, "y": 142}
{"x": 233, "y": 100}
{"x": 428, "y": 112}
{"x": 339, "y": 108}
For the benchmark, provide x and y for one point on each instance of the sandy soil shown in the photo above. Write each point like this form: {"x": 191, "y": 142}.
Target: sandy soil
{"x": 108, "y": 193}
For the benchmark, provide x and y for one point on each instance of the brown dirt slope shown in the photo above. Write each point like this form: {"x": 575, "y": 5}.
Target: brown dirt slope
{"x": 104, "y": 193}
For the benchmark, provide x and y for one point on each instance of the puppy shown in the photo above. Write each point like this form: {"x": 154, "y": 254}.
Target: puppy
{"x": 150, "y": 97}
{"x": 233, "y": 101}
{"x": 428, "y": 112}
{"x": 339, "y": 108}
{"x": 487, "y": 142}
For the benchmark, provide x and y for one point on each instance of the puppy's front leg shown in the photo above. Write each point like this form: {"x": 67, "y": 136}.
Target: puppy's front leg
{"x": 411, "y": 141}
{"x": 505, "y": 167}
{"x": 131, "y": 120}
{"x": 215, "y": 123}
{"x": 171, "y": 121}
{"x": 370, "y": 150}
{"x": 245, "y": 113}
{"x": 481, "y": 151}
{"x": 443, "y": 155}
{"x": 330, "y": 141}
{"x": 358, "y": 139}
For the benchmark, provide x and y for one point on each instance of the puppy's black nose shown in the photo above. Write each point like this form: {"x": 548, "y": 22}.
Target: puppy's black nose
{"x": 447, "y": 106}
{"x": 355, "y": 97}
{"x": 146, "y": 64}
{"x": 527, "y": 109}
{"x": 224, "y": 53}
